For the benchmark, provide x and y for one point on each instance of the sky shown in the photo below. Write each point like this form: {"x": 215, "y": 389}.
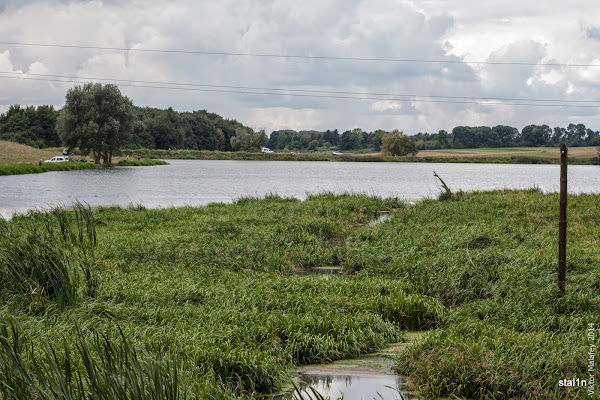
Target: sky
{"x": 342, "y": 74}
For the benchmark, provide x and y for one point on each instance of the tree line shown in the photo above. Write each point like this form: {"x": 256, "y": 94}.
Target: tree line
{"x": 131, "y": 127}
{"x": 196, "y": 130}
{"x": 354, "y": 139}
{"x": 33, "y": 126}
{"x": 460, "y": 137}
{"x": 150, "y": 128}
{"x": 574, "y": 135}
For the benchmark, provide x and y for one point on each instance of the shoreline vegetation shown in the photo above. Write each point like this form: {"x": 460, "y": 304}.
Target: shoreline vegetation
{"x": 219, "y": 301}
{"x": 493, "y": 156}
{"x": 21, "y": 169}
{"x": 155, "y": 157}
{"x": 13, "y": 154}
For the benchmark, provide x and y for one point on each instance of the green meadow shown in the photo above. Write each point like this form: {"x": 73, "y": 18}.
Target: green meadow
{"x": 510, "y": 155}
{"x": 221, "y": 302}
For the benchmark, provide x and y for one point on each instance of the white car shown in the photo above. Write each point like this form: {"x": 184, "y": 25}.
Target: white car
{"x": 266, "y": 150}
{"x": 336, "y": 153}
{"x": 59, "y": 159}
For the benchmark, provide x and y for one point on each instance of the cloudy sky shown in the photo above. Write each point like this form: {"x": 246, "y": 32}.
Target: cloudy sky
{"x": 348, "y": 74}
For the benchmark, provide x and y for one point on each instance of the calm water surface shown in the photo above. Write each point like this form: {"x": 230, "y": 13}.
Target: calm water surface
{"x": 362, "y": 387}
{"x": 196, "y": 182}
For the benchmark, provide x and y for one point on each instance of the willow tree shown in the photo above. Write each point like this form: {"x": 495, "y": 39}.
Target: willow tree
{"x": 246, "y": 139}
{"x": 97, "y": 119}
{"x": 396, "y": 143}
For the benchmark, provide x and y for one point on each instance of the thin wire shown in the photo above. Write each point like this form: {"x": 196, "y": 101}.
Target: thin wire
{"x": 302, "y": 90}
{"x": 312, "y": 95}
{"x": 295, "y": 56}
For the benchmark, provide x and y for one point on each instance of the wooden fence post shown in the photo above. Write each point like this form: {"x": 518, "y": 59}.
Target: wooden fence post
{"x": 562, "y": 221}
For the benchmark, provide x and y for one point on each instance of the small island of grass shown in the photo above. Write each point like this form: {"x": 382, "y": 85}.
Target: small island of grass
{"x": 20, "y": 169}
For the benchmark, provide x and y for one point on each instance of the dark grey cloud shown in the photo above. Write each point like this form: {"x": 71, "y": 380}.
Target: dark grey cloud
{"x": 593, "y": 32}
{"x": 411, "y": 29}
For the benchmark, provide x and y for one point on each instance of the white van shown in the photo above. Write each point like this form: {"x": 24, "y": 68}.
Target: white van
{"x": 266, "y": 150}
{"x": 59, "y": 159}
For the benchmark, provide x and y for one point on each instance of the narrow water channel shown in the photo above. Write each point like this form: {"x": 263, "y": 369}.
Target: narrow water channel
{"x": 356, "y": 387}
{"x": 369, "y": 377}
{"x": 365, "y": 378}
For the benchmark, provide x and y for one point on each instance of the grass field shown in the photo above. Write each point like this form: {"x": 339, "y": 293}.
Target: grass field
{"x": 542, "y": 152}
{"x": 16, "y": 153}
{"x": 541, "y": 155}
{"x": 219, "y": 301}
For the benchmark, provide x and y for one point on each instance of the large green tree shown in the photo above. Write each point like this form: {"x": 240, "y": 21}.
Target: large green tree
{"x": 537, "y": 135}
{"x": 351, "y": 140}
{"x": 396, "y": 143}
{"x": 96, "y": 118}
{"x": 246, "y": 139}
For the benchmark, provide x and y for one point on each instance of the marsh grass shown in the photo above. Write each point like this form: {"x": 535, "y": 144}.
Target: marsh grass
{"x": 491, "y": 259}
{"x": 222, "y": 289}
{"x": 140, "y": 163}
{"x": 111, "y": 369}
{"x": 221, "y": 293}
{"x": 477, "y": 360}
{"x": 43, "y": 261}
{"x": 20, "y": 169}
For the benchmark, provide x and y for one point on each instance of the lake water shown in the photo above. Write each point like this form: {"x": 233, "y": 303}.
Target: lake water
{"x": 194, "y": 182}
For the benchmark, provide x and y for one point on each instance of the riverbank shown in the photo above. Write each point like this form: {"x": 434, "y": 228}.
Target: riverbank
{"x": 221, "y": 300}
{"x": 20, "y": 169}
{"x": 15, "y": 153}
{"x": 579, "y": 156}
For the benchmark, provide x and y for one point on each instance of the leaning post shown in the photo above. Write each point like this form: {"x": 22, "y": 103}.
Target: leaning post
{"x": 562, "y": 221}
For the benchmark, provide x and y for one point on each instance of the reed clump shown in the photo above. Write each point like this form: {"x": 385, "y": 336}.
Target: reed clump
{"x": 109, "y": 368}
{"x": 50, "y": 258}
{"x": 145, "y": 162}
{"x": 20, "y": 169}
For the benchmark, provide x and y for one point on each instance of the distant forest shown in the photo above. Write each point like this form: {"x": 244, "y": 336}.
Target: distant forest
{"x": 153, "y": 129}
{"x": 200, "y": 130}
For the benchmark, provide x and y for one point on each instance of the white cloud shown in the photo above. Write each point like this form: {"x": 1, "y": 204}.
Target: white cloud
{"x": 560, "y": 32}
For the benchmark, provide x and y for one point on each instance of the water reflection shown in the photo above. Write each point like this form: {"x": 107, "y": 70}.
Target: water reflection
{"x": 360, "y": 387}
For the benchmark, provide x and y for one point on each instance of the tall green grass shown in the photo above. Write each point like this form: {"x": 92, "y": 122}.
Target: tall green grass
{"x": 101, "y": 368}
{"x": 43, "y": 261}
{"x": 473, "y": 359}
{"x": 225, "y": 289}
{"x": 140, "y": 163}
{"x": 226, "y": 294}
{"x": 20, "y": 169}
{"x": 491, "y": 259}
